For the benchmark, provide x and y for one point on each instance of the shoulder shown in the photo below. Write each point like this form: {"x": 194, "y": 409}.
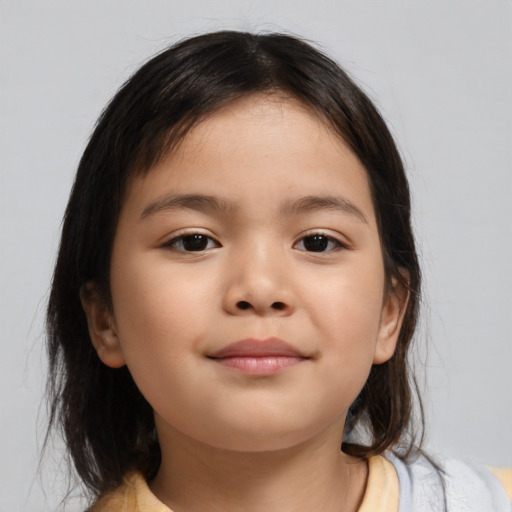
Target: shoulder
{"x": 445, "y": 484}
{"x": 133, "y": 494}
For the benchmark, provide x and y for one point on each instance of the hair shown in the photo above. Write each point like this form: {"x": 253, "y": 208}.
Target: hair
{"x": 107, "y": 424}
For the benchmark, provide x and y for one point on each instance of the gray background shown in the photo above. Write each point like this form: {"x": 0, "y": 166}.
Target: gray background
{"x": 440, "y": 72}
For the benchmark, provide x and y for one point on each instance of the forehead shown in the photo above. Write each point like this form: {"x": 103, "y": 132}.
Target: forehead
{"x": 258, "y": 146}
{"x": 260, "y": 122}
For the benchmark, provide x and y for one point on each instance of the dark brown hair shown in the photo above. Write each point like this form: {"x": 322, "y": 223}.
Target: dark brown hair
{"x": 108, "y": 425}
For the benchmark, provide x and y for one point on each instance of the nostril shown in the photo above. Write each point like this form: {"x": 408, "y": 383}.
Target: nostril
{"x": 243, "y": 304}
{"x": 278, "y": 305}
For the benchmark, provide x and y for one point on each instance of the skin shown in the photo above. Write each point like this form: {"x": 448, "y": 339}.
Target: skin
{"x": 230, "y": 440}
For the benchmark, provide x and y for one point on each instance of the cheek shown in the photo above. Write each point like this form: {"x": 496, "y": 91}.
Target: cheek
{"x": 347, "y": 308}
{"x": 155, "y": 306}
{"x": 161, "y": 319}
{"x": 346, "y": 312}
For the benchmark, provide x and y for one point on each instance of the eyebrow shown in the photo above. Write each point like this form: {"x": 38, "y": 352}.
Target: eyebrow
{"x": 308, "y": 203}
{"x": 198, "y": 202}
{"x": 211, "y": 205}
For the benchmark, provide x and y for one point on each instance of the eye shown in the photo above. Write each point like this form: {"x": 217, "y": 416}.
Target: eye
{"x": 318, "y": 243}
{"x": 194, "y": 242}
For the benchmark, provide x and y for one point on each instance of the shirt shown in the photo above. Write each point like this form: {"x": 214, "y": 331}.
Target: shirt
{"x": 393, "y": 486}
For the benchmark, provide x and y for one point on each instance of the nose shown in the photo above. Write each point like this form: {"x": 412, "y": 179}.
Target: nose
{"x": 258, "y": 284}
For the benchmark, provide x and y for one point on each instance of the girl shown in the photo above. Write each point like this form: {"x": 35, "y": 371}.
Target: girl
{"x": 236, "y": 292}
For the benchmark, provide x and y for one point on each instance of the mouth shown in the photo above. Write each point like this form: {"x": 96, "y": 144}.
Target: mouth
{"x": 258, "y": 357}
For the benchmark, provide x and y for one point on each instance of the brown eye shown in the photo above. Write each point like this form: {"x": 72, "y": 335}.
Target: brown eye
{"x": 195, "y": 242}
{"x": 318, "y": 243}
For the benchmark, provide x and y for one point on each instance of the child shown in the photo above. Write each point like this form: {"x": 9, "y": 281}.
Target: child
{"x": 236, "y": 292}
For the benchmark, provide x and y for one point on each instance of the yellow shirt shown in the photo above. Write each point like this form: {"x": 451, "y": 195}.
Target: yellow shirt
{"x": 382, "y": 491}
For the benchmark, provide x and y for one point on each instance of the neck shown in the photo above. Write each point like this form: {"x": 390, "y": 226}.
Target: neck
{"x": 314, "y": 475}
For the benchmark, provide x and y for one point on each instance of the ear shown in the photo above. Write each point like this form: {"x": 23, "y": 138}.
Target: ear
{"x": 102, "y": 327}
{"x": 392, "y": 315}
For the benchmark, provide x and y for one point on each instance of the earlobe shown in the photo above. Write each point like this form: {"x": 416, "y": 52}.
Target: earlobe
{"x": 393, "y": 311}
{"x": 102, "y": 327}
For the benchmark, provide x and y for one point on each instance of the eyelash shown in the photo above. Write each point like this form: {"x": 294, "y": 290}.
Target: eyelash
{"x": 324, "y": 238}
{"x": 172, "y": 244}
{"x": 321, "y": 238}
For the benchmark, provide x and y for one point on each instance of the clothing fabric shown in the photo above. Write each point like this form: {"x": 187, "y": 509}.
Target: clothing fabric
{"x": 393, "y": 486}
{"x": 454, "y": 487}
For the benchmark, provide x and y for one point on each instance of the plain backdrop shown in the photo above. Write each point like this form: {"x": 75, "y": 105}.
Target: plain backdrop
{"x": 440, "y": 72}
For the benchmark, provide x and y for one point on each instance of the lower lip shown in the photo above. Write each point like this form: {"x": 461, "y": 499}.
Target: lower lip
{"x": 261, "y": 365}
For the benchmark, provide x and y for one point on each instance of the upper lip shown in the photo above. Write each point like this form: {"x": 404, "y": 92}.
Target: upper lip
{"x": 257, "y": 348}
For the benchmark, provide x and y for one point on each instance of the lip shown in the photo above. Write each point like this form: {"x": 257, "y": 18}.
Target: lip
{"x": 258, "y": 357}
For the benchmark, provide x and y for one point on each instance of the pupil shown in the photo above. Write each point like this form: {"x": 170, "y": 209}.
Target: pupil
{"x": 317, "y": 243}
{"x": 195, "y": 242}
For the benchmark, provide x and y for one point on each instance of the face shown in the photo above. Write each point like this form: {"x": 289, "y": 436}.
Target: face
{"x": 247, "y": 281}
